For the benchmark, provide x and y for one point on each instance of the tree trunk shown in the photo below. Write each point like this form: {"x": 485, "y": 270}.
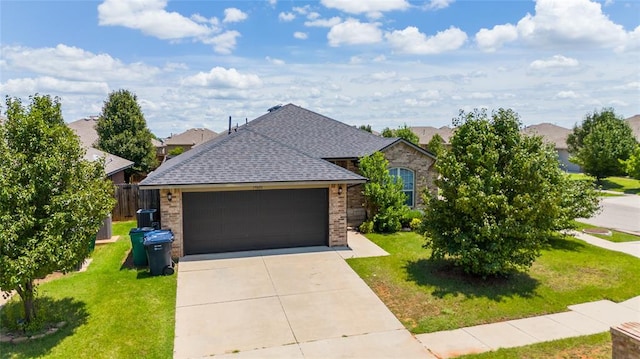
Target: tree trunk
{"x": 26, "y": 294}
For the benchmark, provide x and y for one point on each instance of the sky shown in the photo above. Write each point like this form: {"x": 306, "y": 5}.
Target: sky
{"x": 379, "y": 62}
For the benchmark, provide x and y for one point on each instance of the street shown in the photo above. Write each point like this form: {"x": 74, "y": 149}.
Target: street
{"x": 620, "y": 212}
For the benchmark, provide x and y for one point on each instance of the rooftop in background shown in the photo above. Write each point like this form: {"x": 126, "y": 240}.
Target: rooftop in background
{"x": 86, "y": 131}
{"x": 551, "y": 133}
{"x": 85, "y": 128}
{"x": 425, "y": 133}
{"x": 192, "y": 137}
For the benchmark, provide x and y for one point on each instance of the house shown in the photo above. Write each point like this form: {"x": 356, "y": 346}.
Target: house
{"x": 557, "y": 136}
{"x": 114, "y": 166}
{"x": 286, "y": 179}
{"x": 426, "y": 133}
{"x": 188, "y": 139}
{"x": 634, "y": 123}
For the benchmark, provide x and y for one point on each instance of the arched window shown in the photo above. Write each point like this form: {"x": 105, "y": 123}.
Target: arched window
{"x": 407, "y": 181}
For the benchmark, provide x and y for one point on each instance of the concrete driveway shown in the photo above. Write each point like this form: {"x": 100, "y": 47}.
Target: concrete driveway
{"x": 295, "y": 303}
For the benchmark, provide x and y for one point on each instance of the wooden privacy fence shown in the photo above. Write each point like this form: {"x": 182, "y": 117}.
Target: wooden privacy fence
{"x": 130, "y": 198}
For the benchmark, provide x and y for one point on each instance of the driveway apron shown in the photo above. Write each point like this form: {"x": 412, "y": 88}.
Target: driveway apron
{"x": 293, "y": 303}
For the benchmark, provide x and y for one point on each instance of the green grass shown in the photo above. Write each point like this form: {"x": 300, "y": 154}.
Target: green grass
{"x": 116, "y": 311}
{"x": 596, "y": 346}
{"x": 615, "y": 236}
{"x": 429, "y": 296}
{"x": 617, "y": 184}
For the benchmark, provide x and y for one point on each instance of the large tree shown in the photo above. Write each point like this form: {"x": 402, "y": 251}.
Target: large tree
{"x": 436, "y": 144}
{"x": 600, "y": 143}
{"x": 384, "y": 199}
{"x": 122, "y": 131}
{"x": 403, "y": 132}
{"x": 52, "y": 200}
{"x": 501, "y": 195}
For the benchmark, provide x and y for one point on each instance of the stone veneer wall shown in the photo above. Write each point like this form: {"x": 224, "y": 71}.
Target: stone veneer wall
{"x": 171, "y": 218}
{"x": 405, "y": 156}
{"x": 337, "y": 216}
{"x": 625, "y": 340}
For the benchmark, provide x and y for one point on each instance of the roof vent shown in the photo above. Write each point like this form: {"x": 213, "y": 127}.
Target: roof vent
{"x": 274, "y": 108}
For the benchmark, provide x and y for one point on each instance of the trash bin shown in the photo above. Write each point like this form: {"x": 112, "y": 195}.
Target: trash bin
{"x": 158, "y": 247}
{"x": 137, "y": 245}
{"x": 147, "y": 218}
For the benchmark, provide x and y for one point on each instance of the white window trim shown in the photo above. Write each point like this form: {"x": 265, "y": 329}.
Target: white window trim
{"x": 413, "y": 190}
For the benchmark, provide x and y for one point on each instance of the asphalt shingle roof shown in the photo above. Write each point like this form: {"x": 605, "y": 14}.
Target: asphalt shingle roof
{"x": 191, "y": 137}
{"x": 317, "y": 135}
{"x": 246, "y": 156}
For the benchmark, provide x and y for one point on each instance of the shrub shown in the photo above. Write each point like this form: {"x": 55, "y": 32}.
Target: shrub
{"x": 409, "y": 216}
{"x": 415, "y": 224}
{"x": 366, "y": 227}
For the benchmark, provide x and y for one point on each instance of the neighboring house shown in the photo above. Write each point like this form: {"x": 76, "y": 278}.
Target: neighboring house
{"x": 426, "y": 133}
{"x": 114, "y": 166}
{"x": 634, "y": 123}
{"x": 161, "y": 149}
{"x": 286, "y": 179}
{"x": 557, "y": 136}
{"x": 188, "y": 139}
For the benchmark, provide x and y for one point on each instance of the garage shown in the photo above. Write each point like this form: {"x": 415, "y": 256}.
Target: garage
{"x": 228, "y": 221}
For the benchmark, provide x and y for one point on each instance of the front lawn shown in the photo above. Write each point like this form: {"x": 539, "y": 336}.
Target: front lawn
{"x": 431, "y": 296}
{"x": 615, "y": 236}
{"x": 116, "y": 311}
{"x": 617, "y": 184}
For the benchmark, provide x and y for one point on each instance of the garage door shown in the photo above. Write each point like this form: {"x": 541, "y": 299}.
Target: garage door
{"x": 216, "y": 222}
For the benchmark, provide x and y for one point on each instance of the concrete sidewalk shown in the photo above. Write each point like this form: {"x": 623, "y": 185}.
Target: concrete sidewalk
{"x": 582, "y": 319}
{"x": 631, "y": 248}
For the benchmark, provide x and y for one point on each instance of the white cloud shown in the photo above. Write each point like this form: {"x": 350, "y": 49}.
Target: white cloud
{"x": 224, "y": 43}
{"x": 380, "y": 58}
{"x": 567, "y": 95}
{"x": 225, "y": 78}
{"x": 481, "y": 95}
{"x": 323, "y": 22}
{"x": 557, "y": 61}
{"x": 412, "y": 41}
{"x": 233, "y": 14}
{"x": 286, "y": 16}
{"x": 313, "y": 15}
{"x": 150, "y": 17}
{"x": 490, "y": 40}
{"x": 439, "y": 4}
{"x": 354, "y": 32}
{"x": 366, "y": 6}
{"x": 300, "y": 35}
{"x": 302, "y": 10}
{"x": 562, "y": 24}
{"x": 73, "y": 63}
{"x": 385, "y": 75}
{"x": 49, "y": 84}
{"x": 275, "y": 61}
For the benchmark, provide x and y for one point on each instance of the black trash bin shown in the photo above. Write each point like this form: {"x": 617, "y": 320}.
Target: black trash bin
{"x": 158, "y": 247}
{"x": 147, "y": 218}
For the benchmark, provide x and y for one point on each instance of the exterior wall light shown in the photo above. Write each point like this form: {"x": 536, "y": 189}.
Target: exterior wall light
{"x": 340, "y": 189}
{"x": 169, "y": 196}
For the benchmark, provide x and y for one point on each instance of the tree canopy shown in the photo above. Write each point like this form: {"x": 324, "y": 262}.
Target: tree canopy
{"x": 436, "y": 144}
{"x": 384, "y": 199}
{"x": 501, "y": 195}
{"x": 52, "y": 200}
{"x": 366, "y": 128}
{"x": 632, "y": 165}
{"x": 403, "y": 132}
{"x": 122, "y": 131}
{"x": 600, "y": 143}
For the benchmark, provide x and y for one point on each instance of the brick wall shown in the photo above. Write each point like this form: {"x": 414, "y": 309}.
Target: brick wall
{"x": 171, "y": 218}
{"x": 405, "y": 156}
{"x": 625, "y": 339}
{"x": 337, "y": 216}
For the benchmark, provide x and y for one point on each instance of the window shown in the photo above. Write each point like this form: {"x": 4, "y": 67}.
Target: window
{"x": 407, "y": 181}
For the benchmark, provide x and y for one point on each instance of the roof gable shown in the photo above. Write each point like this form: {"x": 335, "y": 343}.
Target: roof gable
{"x": 191, "y": 137}
{"x": 244, "y": 157}
{"x": 550, "y": 133}
{"x": 317, "y": 135}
